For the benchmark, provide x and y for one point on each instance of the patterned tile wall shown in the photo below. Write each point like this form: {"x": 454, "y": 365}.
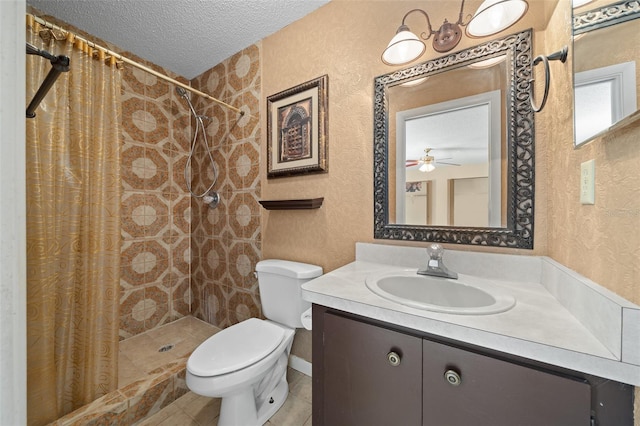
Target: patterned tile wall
{"x": 226, "y": 241}
{"x": 156, "y": 208}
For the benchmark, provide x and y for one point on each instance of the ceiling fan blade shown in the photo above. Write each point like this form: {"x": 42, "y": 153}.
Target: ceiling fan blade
{"x": 448, "y": 164}
{"x": 411, "y": 163}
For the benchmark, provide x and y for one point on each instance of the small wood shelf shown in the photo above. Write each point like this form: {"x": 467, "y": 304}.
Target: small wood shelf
{"x": 309, "y": 203}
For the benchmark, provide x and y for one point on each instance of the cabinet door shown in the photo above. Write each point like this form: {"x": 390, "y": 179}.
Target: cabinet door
{"x": 493, "y": 392}
{"x": 361, "y": 387}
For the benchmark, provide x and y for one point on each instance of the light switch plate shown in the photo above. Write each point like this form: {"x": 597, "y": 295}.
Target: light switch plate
{"x": 587, "y": 182}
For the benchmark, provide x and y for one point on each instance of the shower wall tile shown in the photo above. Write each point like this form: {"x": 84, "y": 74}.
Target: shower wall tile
{"x": 180, "y": 132}
{"x": 132, "y": 300}
{"x": 250, "y": 121}
{"x": 244, "y": 68}
{"x": 134, "y": 80}
{"x": 156, "y": 208}
{"x": 156, "y": 308}
{"x": 243, "y": 305}
{"x": 130, "y": 326}
{"x": 156, "y": 169}
{"x": 181, "y": 298}
{"x": 134, "y": 118}
{"x": 213, "y": 81}
{"x": 181, "y": 256}
{"x": 226, "y": 240}
{"x": 156, "y": 88}
{"x": 133, "y": 170}
{"x": 181, "y": 215}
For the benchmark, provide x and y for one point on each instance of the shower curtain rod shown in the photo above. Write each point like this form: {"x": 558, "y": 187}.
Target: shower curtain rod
{"x": 136, "y": 64}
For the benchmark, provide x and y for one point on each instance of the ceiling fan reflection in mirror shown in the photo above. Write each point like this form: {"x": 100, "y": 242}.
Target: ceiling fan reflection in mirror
{"x": 428, "y": 162}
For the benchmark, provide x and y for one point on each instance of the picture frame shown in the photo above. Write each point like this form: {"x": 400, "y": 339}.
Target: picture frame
{"x": 297, "y": 122}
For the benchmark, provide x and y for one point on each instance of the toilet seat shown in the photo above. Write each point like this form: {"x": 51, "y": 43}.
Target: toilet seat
{"x": 235, "y": 348}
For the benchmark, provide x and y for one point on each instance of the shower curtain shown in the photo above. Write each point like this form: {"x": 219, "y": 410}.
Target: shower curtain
{"x": 73, "y": 229}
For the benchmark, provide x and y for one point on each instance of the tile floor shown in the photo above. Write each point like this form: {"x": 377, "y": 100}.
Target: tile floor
{"x": 139, "y": 355}
{"x": 195, "y": 410}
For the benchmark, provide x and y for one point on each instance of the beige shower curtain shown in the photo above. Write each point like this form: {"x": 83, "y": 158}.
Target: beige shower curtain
{"x": 73, "y": 230}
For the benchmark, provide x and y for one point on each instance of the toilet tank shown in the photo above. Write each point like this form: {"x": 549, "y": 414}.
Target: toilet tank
{"x": 280, "y": 284}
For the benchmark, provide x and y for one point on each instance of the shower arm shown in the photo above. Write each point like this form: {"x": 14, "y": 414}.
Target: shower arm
{"x": 59, "y": 64}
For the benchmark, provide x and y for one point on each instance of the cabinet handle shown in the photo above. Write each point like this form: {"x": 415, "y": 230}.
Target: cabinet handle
{"x": 394, "y": 359}
{"x": 453, "y": 378}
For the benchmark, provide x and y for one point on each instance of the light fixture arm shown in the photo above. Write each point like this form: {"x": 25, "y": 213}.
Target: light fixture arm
{"x": 429, "y": 27}
{"x": 460, "y": 19}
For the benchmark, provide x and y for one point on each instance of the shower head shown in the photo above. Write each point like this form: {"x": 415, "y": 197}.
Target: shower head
{"x": 182, "y": 92}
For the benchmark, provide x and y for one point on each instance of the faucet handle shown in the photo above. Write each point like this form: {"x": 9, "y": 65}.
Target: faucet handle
{"x": 435, "y": 251}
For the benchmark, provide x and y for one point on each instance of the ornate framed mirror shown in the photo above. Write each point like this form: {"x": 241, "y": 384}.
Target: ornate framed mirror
{"x": 458, "y": 132}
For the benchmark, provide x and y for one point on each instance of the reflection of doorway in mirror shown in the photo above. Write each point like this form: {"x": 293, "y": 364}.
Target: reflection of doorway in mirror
{"x": 603, "y": 96}
{"x": 417, "y": 204}
{"x": 466, "y": 197}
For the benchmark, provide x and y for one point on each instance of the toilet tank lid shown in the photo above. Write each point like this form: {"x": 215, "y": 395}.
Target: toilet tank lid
{"x": 288, "y": 268}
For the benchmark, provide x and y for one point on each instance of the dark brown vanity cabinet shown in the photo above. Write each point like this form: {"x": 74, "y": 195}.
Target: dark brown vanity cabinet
{"x": 370, "y": 373}
{"x": 462, "y": 388}
{"x": 361, "y": 386}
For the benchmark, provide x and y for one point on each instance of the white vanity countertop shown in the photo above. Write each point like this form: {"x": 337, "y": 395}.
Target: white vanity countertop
{"x": 538, "y": 327}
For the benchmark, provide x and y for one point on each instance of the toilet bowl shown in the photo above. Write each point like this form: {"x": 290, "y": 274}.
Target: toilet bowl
{"x": 246, "y": 364}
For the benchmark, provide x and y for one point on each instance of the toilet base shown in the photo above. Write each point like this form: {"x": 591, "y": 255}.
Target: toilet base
{"x": 240, "y": 409}
{"x": 278, "y": 396}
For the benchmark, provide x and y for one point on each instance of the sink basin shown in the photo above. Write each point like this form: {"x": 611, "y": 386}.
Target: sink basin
{"x": 466, "y": 296}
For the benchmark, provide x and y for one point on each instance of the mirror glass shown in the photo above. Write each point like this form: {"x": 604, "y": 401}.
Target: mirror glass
{"x": 449, "y": 174}
{"x": 454, "y": 148}
{"x": 606, "y": 42}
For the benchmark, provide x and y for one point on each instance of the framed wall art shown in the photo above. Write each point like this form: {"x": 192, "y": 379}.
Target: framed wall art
{"x": 297, "y": 129}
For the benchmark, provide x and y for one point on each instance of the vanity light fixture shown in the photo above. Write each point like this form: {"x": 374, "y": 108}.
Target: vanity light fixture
{"x": 491, "y": 17}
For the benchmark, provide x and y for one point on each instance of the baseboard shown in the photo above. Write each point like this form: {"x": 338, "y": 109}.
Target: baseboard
{"x": 300, "y": 365}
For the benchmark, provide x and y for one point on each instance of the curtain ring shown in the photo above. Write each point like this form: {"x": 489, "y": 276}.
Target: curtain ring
{"x": 560, "y": 55}
{"x": 547, "y": 80}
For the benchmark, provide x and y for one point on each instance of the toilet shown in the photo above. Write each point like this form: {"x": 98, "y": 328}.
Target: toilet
{"x": 246, "y": 364}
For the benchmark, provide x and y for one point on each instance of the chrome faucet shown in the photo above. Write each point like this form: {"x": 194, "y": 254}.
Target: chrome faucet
{"x": 435, "y": 267}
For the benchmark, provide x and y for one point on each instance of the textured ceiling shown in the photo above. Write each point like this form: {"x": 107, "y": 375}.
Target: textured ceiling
{"x": 184, "y": 36}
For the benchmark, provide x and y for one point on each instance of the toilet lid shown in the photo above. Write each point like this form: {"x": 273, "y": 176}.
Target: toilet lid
{"x": 235, "y": 347}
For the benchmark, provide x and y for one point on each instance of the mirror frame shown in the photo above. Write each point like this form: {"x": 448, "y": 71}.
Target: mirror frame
{"x": 521, "y": 148}
{"x": 606, "y": 16}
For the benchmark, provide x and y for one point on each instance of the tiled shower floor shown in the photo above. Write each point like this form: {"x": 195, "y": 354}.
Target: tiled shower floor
{"x": 139, "y": 355}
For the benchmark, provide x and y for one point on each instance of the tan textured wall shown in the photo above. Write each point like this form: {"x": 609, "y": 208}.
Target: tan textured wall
{"x": 599, "y": 241}
{"x": 345, "y": 39}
